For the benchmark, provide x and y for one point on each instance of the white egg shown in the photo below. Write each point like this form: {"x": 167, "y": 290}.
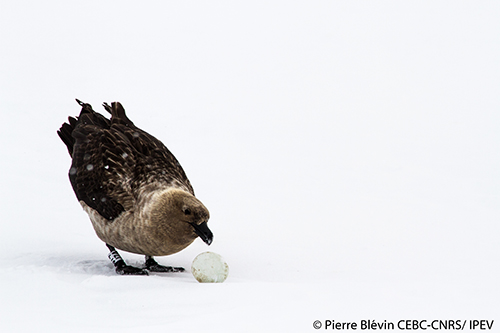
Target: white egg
{"x": 209, "y": 267}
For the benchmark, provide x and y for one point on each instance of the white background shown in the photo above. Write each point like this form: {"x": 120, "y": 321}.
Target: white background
{"x": 348, "y": 152}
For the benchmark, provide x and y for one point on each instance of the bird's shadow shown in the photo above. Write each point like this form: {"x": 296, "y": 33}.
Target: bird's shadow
{"x": 73, "y": 264}
{"x": 104, "y": 267}
{"x": 92, "y": 267}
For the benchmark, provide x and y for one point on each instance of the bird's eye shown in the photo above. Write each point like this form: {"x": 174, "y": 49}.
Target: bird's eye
{"x": 187, "y": 211}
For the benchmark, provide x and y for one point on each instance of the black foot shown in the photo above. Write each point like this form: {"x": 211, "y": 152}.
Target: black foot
{"x": 120, "y": 266}
{"x": 130, "y": 270}
{"x": 152, "y": 266}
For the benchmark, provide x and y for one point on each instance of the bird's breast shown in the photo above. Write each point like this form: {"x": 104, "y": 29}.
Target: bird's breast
{"x": 134, "y": 232}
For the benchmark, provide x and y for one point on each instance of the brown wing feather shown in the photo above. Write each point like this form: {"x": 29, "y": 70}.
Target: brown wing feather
{"x": 113, "y": 160}
{"x": 154, "y": 162}
{"x": 99, "y": 174}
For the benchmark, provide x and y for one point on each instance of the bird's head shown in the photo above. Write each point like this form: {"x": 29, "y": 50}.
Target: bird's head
{"x": 182, "y": 215}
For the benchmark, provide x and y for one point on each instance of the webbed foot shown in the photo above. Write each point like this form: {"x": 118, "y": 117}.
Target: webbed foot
{"x": 130, "y": 270}
{"x": 120, "y": 266}
{"x": 152, "y": 266}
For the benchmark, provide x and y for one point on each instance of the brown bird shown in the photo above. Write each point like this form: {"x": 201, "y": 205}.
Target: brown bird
{"x": 134, "y": 190}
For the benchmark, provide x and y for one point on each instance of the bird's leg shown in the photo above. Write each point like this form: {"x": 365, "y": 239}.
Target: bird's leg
{"x": 120, "y": 266}
{"x": 152, "y": 266}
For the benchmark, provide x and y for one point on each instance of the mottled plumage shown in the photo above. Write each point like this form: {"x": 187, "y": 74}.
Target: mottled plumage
{"x": 136, "y": 193}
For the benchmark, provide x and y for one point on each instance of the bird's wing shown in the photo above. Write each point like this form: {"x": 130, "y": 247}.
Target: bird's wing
{"x": 114, "y": 161}
{"x": 102, "y": 169}
{"x": 154, "y": 162}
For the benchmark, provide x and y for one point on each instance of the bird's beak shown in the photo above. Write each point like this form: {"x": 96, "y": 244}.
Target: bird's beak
{"x": 203, "y": 232}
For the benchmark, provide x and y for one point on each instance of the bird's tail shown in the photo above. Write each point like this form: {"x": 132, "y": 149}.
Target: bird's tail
{"x": 118, "y": 115}
{"x": 88, "y": 115}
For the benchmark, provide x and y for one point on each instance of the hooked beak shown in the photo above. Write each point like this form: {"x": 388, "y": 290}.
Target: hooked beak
{"x": 203, "y": 232}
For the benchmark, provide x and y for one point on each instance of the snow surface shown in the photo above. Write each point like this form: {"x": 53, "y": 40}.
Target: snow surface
{"x": 348, "y": 152}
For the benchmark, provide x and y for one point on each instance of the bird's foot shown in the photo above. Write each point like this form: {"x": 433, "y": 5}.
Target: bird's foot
{"x": 130, "y": 270}
{"x": 120, "y": 266}
{"x": 152, "y": 266}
